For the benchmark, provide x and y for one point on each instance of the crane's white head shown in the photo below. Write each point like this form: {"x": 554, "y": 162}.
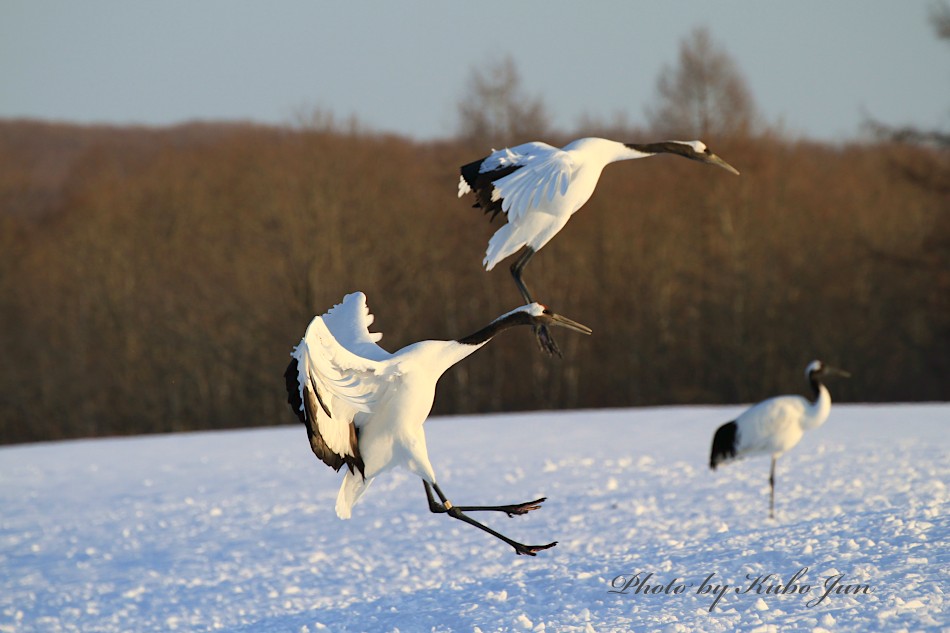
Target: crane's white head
{"x": 697, "y": 150}
{"x": 532, "y": 314}
{"x": 818, "y": 369}
{"x": 534, "y": 310}
{"x": 537, "y": 314}
{"x": 698, "y": 146}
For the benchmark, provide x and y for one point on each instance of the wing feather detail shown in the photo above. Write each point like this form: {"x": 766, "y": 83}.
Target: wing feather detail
{"x": 518, "y": 179}
{"x": 337, "y": 372}
{"x": 544, "y": 173}
{"x": 349, "y": 322}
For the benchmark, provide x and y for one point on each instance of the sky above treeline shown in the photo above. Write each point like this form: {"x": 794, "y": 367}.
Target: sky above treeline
{"x": 816, "y": 69}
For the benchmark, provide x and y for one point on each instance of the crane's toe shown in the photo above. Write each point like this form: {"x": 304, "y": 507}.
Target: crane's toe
{"x": 523, "y": 508}
{"x": 532, "y": 550}
{"x": 546, "y": 341}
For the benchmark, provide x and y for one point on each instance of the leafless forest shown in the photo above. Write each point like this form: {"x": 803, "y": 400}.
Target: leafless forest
{"x": 155, "y": 280}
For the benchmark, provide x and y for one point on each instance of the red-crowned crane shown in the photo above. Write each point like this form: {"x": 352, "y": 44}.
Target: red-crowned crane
{"x": 540, "y": 187}
{"x": 364, "y": 407}
{"x": 776, "y": 425}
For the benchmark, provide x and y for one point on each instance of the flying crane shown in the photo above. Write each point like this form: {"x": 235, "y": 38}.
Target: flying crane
{"x": 540, "y": 187}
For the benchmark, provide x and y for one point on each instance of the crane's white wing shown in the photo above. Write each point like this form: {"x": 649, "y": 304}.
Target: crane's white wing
{"x": 545, "y": 173}
{"x": 349, "y": 323}
{"x": 518, "y": 155}
{"x": 334, "y": 385}
{"x": 344, "y": 383}
{"x": 772, "y": 425}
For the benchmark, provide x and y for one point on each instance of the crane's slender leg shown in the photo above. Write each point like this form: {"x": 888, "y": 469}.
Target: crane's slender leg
{"x": 541, "y": 332}
{"x": 518, "y": 267}
{"x": 510, "y": 510}
{"x": 457, "y": 512}
{"x": 772, "y": 491}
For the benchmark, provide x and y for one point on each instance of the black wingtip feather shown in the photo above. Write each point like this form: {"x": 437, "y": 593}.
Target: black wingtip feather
{"x": 724, "y": 444}
{"x": 483, "y": 184}
{"x": 306, "y": 411}
{"x": 293, "y": 390}
{"x": 470, "y": 171}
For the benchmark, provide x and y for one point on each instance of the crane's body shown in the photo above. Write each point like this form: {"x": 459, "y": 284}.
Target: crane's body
{"x": 539, "y": 187}
{"x": 547, "y": 187}
{"x": 391, "y": 435}
{"x": 364, "y": 408}
{"x": 776, "y": 425}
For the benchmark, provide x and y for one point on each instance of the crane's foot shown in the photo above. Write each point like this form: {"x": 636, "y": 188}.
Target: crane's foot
{"x": 458, "y": 512}
{"x": 522, "y": 508}
{"x": 531, "y": 550}
{"x": 511, "y": 510}
{"x": 546, "y": 341}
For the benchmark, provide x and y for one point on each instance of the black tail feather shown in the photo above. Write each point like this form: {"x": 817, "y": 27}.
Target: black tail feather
{"x": 470, "y": 172}
{"x": 293, "y": 390}
{"x": 308, "y": 411}
{"x": 724, "y": 444}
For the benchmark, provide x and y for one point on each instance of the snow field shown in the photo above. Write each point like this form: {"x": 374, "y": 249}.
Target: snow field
{"x": 235, "y": 530}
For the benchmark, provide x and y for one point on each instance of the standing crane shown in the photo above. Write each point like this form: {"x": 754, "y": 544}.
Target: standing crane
{"x": 776, "y": 425}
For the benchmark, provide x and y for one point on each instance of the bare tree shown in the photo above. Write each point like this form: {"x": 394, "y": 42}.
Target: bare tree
{"x": 940, "y": 19}
{"x": 930, "y": 172}
{"x": 704, "y": 94}
{"x": 160, "y": 281}
{"x": 936, "y": 139}
{"x": 496, "y": 109}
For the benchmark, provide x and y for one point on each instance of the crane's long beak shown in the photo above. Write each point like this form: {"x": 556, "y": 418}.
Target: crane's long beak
{"x": 557, "y": 319}
{"x": 834, "y": 371}
{"x": 712, "y": 159}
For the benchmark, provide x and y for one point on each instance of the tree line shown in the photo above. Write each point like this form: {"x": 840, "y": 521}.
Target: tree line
{"x": 155, "y": 280}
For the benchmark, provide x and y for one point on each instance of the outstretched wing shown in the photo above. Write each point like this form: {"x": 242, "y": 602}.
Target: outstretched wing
{"x": 349, "y": 323}
{"x": 517, "y": 179}
{"x": 328, "y": 386}
{"x": 545, "y": 174}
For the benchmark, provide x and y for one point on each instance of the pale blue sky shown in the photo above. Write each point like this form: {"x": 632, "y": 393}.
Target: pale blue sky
{"x": 816, "y": 66}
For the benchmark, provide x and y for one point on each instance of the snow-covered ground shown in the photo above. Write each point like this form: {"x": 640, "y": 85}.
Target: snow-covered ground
{"x": 236, "y": 530}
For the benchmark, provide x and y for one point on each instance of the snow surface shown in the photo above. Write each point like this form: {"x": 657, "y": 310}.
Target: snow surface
{"x": 236, "y": 531}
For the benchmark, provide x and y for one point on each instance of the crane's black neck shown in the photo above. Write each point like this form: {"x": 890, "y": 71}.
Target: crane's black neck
{"x": 500, "y": 324}
{"x": 815, "y": 383}
{"x": 666, "y": 147}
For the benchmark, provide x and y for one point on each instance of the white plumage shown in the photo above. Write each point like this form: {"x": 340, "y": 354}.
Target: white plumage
{"x": 539, "y": 188}
{"x": 776, "y": 425}
{"x": 365, "y": 407}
